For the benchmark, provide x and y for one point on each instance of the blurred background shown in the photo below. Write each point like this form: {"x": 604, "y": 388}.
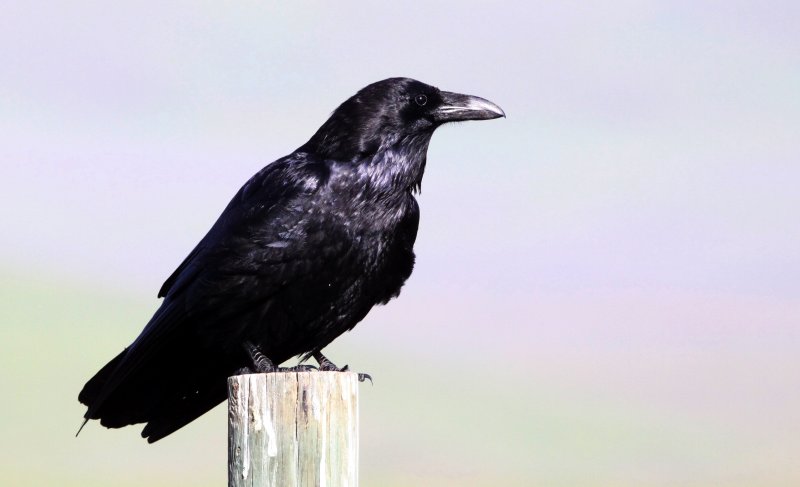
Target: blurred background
{"x": 607, "y": 290}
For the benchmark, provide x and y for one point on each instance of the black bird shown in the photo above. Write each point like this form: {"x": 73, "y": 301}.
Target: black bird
{"x": 299, "y": 256}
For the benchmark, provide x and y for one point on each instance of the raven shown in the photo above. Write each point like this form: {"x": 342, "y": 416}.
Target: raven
{"x": 299, "y": 256}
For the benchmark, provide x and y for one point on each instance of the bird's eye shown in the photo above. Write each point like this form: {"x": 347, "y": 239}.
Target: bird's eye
{"x": 421, "y": 100}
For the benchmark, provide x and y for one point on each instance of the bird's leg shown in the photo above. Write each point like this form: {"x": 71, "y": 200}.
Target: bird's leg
{"x": 327, "y": 365}
{"x": 261, "y": 363}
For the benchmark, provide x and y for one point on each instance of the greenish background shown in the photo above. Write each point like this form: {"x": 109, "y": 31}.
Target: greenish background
{"x": 606, "y": 291}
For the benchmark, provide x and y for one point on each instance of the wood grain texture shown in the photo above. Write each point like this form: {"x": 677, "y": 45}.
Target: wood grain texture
{"x": 292, "y": 429}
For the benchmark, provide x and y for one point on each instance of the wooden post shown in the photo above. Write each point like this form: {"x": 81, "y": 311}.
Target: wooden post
{"x": 293, "y": 429}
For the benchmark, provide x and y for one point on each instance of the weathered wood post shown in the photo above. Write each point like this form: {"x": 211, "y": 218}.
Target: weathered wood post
{"x": 293, "y": 429}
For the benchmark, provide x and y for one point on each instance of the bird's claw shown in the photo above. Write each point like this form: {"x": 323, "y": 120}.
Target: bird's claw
{"x": 328, "y": 366}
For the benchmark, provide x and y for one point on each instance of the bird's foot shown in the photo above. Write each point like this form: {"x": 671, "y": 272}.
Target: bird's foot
{"x": 243, "y": 371}
{"x": 327, "y": 365}
{"x": 299, "y": 368}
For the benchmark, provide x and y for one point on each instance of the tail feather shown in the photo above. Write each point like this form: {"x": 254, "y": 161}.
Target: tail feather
{"x": 120, "y": 403}
{"x": 177, "y": 412}
{"x": 167, "y": 391}
{"x": 85, "y": 420}
{"x": 169, "y": 376}
{"x": 94, "y": 387}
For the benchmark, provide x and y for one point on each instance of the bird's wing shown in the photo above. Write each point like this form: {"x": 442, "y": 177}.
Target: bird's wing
{"x": 165, "y": 288}
{"x": 264, "y": 224}
{"x": 265, "y": 238}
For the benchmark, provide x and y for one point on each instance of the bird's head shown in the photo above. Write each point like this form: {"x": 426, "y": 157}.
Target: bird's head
{"x": 388, "y": 112}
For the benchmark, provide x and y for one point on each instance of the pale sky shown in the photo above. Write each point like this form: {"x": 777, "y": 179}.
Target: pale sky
{"x": 634, "y": 219}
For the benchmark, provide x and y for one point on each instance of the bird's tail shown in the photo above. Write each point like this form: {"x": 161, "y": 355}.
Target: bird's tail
{"x": 91, "y": 391}
{"x": 151, "y": 394}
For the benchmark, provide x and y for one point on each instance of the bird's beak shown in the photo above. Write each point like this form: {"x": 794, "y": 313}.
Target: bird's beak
{"x": 456, "y": 107}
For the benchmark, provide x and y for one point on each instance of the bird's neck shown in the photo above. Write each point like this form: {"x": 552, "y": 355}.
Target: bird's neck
{"x": 398, "y": 166}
